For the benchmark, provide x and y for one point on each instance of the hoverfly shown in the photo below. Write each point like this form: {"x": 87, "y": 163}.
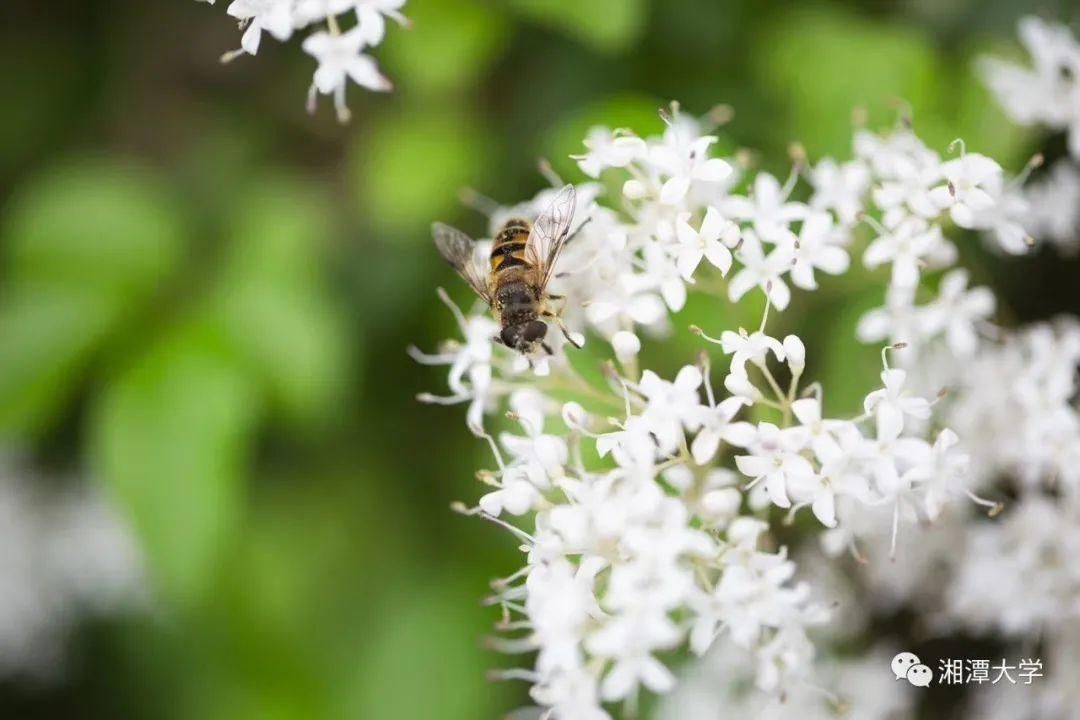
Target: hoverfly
{"x": 513, "y": 279}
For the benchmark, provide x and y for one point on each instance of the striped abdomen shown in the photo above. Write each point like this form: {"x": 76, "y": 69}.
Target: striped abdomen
{"x": 508, "y": 249}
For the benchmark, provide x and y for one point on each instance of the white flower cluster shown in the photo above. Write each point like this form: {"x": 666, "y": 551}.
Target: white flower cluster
{"x": 338, "y": 49}
{"x": 642, "y": 502}
{"x": 1045, "y": 94}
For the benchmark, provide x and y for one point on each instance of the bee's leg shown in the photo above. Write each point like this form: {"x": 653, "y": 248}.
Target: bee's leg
{"x": 547, "y": 348}
{"x": 561, "y": 298}
{"x": 577, "y": 230}
{"x": 567, "y": 242}
{"x": 562, "y": 326}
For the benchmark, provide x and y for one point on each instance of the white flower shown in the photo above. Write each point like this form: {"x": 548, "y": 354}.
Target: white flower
{"x": 632, "y": 445}
{"x": 767, "y": 208}
{"x": 821, "y": 440}
{"x": 307, "y": 12}
{"x": 629, "y": 640}
{"x": 907, "y": 170}
{"x": 898, "y": 321}
{"x": 670, "y": 406}
{"x": 571, "y": 696}
{"x": 906, "y": 246}
{"x": 972, "y": 183}
{"x": 754, "y": 348}
{"x": 711, "y": 241}
{"x": 609, "y": 150}
{"x": 818, "y": 247}
{"x": 891, "y": 404}
{"x": 1005, "y": 221}
{"x": 684, "y": 162}
{"x": 369, "y": 16}
{"x": 340, "y": 59}
{"x": 716, "y": 425}
{"x": 470, "y": 371}
{"x": 795, "y": 352}
{"x": 776, "y": 459}
{"x": 763, "y": 271}
{"x": 274, "y": 16}
{"x": 626, "y": 345}
{"x": 663, "y": 273}
{"x": 339, "y": 53}
{"x": 943, "y": 477}
{"x": 626, "y": 299}
{"x": 840, "y": 188}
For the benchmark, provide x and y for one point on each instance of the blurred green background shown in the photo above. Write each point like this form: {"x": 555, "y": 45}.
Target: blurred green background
{"x": 206, "y": 296}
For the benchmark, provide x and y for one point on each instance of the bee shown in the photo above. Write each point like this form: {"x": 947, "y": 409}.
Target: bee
{"x": 513, "y": 279}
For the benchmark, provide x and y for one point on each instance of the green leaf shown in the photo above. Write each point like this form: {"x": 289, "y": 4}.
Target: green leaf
{"x": 85, "y": 244}
{"x": 272, "y": 303}
{"x": 171, "y": 438}
{"x": 606, "y": 25}
{"x": 94, "y": 224}
{"x": 278, "y": 234}
{"x": 410, "y": 168}
{"x": 49, "y": 337}
{"x": 294, "y": 340}
{"x": 448, "y": 46}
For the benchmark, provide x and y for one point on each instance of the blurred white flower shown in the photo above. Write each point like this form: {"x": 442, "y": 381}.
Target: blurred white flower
{"x": 67, "y": 555}
{"x": 273, "y": 16}
{"x": 337, "y": 48}
{"x": 340, "y": 59}
{"x": 1047, "y": 93}
{"x": 608, "y": 150}
{"x": 957, "y": 311}
{"x": 840, "y": 188}
{"x": 1054, "y": 207}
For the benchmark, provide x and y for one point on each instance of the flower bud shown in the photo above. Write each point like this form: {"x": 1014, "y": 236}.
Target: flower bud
{"x": 626, "y": 345}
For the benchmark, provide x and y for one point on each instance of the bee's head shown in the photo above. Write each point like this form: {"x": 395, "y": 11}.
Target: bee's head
{"x": 524, "y": 337}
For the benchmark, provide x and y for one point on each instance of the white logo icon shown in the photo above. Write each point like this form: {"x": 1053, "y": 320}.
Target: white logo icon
{"x": 908, "y": 666}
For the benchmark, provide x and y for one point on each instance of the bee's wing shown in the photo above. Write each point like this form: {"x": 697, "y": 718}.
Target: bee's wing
{"x": 459, "y": 250}
{"x": 549, "y": 233}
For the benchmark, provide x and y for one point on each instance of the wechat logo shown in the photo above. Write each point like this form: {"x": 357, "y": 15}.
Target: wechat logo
{"x": 907, "y": 666}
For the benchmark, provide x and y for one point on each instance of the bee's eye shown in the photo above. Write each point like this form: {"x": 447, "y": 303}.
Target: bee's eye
{"x": 509, "y": 336}
{"x": 535, "y": 330}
